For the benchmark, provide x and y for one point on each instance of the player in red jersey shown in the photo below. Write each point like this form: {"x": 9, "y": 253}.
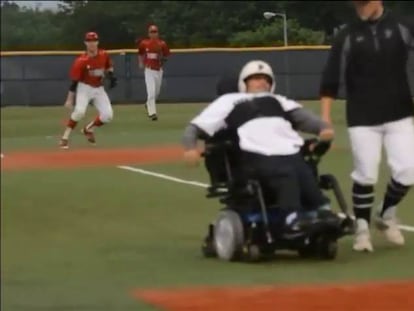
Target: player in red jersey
{"x": 87, "y": 74}
{"x": 152, "y": 54}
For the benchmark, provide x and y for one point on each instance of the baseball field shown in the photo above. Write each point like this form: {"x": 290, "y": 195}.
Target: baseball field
{"x": 118, "y": 226}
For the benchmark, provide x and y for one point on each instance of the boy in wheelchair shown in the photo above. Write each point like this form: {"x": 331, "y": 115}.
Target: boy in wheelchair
{"x": 257, "y": 130}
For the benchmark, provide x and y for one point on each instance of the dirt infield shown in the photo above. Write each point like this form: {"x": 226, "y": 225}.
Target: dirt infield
{"x": 389, "y": 296}
{"x": 88, "y": 157}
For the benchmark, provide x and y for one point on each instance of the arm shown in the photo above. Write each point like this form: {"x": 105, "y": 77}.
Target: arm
{"x": 75, "y": 76}
{"x": 332, "y": 73}
{"x": 165, "y": 52}
{"x": 141, "y": 52}
{"x": 109, "y": 67}
{"x": 307, "y": 122}
{"x": 207, "y": 123}
{"x": 140, "y": 61}
{"x": 70, "y": 98}
{"x": 191, "y": 134}
{"x": 304, "y": 120}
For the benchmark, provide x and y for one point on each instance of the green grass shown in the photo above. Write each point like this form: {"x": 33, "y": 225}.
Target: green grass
{"x": 24, "y": 128}
{"x": 83, "y": 239}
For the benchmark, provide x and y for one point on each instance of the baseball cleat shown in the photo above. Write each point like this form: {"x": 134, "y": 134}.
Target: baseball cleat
{"x": 89, "y": 136}
{"x": 153, "y": 117}
{"x": 388, "y": 225}
{"x": 64, "y": 143}
{"x": 362, "y": 240}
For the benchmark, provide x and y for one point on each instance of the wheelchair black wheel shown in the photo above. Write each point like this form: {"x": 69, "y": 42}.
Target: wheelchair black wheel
{"x": 306, "y": 252}
{"x": 252, "y": 253}
{"x": 327, "y": 248}
{"x": 207, "y": 248}
{"x": 228, "y": 235}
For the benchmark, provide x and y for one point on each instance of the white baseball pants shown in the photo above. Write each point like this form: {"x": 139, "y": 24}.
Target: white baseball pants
{"x": 398, "y": 140}
{"x": 153, "y": 81}
{"x": 98, "y": 96}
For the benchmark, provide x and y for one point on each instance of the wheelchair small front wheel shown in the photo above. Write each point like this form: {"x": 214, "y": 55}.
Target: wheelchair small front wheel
{"x": 252, "y": 252}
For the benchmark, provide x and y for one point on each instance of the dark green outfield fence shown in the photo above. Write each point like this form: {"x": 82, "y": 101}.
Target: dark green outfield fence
{"x": 41, "y": 78}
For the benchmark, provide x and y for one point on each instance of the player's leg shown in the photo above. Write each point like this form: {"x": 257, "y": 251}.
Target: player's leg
{"x": 158, "y": 84}
{"x": 82, "y": 99}
{"x": 151, "y": 89}
{"x": 312, "y": 197}
{"x": 105, "y": 114}
{"x": 366, "y": 145}
{"x": 277, "y": 177}
{"x": 399, "y": 147}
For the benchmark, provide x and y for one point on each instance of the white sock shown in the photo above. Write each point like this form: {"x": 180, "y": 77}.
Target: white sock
{"x": 89, "y": 127}
{"x": 67, "y": 132}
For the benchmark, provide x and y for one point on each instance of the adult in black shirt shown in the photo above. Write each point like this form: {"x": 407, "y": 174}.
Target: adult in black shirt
{"x": 371, "y": 54}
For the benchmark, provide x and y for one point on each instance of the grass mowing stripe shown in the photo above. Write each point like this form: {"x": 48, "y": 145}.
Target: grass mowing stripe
{"x": 199, "y": 184}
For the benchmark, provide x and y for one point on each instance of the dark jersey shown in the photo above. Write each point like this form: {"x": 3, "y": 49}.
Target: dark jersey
{"x": 373, "y": 59}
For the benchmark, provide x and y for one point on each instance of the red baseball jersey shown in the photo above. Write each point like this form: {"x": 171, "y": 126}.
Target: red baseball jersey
{"x": 153, "y": 51}
{"x": 91, "y": 70}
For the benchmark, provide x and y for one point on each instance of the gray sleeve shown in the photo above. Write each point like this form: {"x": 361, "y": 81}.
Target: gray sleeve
{"x": 407, "y": 34}
{"x": 190, "y": 136}
{"x": 306, "y": 121}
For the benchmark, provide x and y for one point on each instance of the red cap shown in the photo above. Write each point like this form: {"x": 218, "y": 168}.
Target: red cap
{"x": 153, "y": 28}
{"x": 91, "y": 36}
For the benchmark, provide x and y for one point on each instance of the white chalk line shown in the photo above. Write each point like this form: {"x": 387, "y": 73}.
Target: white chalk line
{"x": 203, "y": 185}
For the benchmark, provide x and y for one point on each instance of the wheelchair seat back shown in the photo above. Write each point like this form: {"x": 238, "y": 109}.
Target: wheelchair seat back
{"x": 223, "y": 161}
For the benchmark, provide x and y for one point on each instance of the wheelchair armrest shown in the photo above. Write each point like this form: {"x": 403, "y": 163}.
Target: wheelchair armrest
{"x": 319, "y": 149}
{"x": 327, "y": 181}
{"x": 224, "y": 145}
{"x": 217, "y": 191}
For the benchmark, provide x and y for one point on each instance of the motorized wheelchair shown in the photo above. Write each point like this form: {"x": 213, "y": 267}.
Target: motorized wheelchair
{"x": 248, "y": 229}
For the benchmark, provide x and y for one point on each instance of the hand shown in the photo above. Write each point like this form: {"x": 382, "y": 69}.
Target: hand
{"x": 69, "y": 103}
{"x": 326, "y": 103}
{"x": 327, "y": 134}
{"x": 192, "y": 157}
{"x": 327, "y": 119}
{"x": 70, "y": 99}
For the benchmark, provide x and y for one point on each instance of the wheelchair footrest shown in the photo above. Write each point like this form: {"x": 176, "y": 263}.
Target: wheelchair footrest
{"x": 217, "y": 191}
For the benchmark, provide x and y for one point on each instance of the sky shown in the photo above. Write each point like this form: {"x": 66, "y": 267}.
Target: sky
{"x": 47, "y": 5}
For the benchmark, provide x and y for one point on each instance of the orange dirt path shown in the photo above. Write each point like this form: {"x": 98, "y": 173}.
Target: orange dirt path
{"x": 88, "y": 157}
{"x": 381, "y": 296}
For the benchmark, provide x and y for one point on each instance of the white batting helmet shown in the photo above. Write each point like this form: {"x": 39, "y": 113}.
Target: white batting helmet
{"x": 255, "y": 67}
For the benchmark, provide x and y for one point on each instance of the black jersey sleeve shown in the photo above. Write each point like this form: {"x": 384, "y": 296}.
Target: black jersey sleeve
{"x": 331, "y": 74}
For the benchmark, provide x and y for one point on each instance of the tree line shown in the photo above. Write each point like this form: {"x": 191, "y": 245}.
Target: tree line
{"x": 183, "y": 24}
